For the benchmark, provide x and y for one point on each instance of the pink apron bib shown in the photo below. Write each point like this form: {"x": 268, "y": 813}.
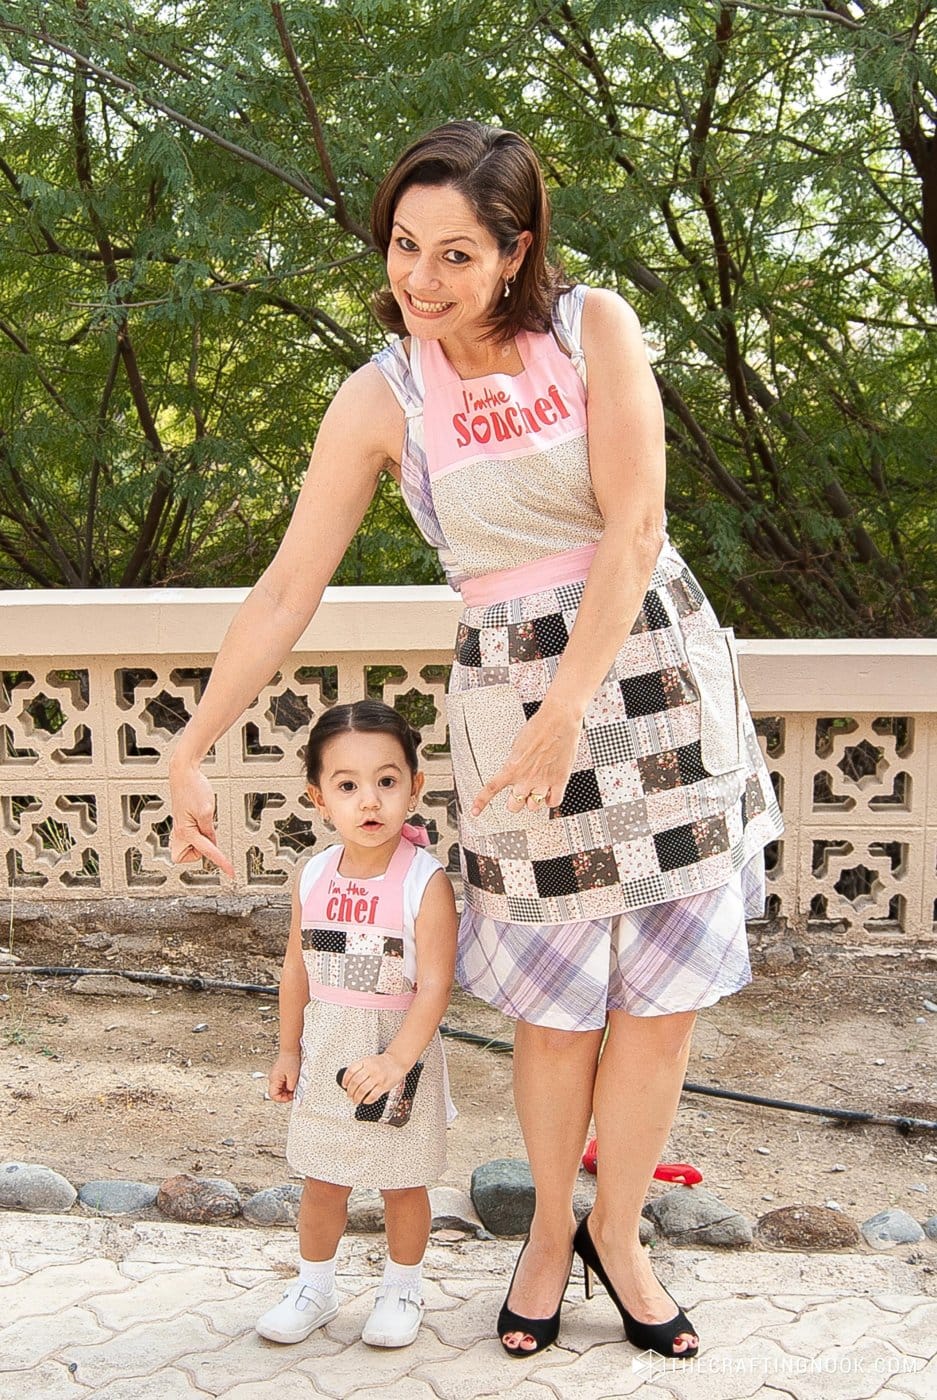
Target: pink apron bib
{"x": 352, "y": 931}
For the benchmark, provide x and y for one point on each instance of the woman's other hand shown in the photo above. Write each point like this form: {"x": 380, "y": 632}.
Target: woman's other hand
{"x": 540, "y": 761}
{"x": 193, "y": 818}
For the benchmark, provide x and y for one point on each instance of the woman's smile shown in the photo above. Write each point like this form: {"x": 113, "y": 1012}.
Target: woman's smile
{"x": 428, "y": 308}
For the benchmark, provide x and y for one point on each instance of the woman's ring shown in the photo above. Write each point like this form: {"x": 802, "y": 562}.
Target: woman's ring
{"x": 538, "y": 797}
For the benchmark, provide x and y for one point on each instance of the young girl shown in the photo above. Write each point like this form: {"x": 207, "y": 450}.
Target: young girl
{"x": 366, "y": 980}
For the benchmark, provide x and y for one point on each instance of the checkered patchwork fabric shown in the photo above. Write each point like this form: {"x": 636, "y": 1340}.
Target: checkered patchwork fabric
{"x": 643, "y": 820}
{"x": 357, "y": 959}
{"x": 681, "y": 955}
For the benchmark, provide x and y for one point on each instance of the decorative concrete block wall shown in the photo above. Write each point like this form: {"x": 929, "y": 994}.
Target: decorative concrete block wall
{"x": 94, "y": 686}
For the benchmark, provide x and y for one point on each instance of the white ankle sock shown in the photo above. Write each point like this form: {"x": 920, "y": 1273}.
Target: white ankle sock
{"x": 406, "y": 1275}
{"x": 319, "y": 1273}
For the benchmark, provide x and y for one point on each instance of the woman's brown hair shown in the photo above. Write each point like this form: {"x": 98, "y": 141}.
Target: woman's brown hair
{"x": 497, "y": 172}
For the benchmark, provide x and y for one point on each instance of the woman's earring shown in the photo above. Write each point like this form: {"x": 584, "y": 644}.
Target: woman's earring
{"x": 508, "y": 284}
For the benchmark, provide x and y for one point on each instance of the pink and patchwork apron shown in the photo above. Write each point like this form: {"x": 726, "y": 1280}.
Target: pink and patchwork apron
{"x": 353, "y": 938}
{"x": 632, "y": 894}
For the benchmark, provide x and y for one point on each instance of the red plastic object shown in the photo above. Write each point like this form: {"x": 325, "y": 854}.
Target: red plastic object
{"x": 682, "y": 1173}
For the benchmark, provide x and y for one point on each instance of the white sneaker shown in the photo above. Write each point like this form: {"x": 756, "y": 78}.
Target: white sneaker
{"x": 300, "y": 1311}
{"x": 395, "y": 1318}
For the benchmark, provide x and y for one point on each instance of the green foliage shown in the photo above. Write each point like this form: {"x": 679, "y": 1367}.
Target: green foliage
{"x": 184, "y": 280}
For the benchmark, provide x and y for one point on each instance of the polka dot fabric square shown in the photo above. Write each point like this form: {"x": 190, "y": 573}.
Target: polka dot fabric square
{"x": 324, "y": 940}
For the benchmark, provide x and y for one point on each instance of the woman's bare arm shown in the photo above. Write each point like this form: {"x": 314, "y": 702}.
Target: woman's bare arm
{"x": 627, "y": 467}
{"x": 361, "y": 432}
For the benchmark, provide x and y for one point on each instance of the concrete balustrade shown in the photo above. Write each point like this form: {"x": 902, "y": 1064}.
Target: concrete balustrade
{"x": 95, "y": 685}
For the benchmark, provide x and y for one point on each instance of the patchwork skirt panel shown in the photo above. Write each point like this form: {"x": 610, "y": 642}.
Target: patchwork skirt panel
{"x": 669, "y": 795}
{"x": 679, "y": 956}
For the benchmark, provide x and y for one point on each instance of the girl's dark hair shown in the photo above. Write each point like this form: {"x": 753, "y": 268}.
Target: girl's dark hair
{"x": 363, "y": 717}
{"x": 500, "y": 176}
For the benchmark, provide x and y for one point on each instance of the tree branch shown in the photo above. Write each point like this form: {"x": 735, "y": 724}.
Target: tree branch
{"x": 340, "y": 213}
{"x": 288, "y": 177}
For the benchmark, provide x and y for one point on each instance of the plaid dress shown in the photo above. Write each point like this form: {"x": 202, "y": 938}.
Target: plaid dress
{"x": 632, "y": 894}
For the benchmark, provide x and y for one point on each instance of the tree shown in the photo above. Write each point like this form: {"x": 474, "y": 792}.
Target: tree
{"x": 186, "y": 272}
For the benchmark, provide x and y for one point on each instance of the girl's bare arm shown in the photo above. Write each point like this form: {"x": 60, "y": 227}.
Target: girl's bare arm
{"x": 435, "y": 935}
{"x": 294, "y": 994}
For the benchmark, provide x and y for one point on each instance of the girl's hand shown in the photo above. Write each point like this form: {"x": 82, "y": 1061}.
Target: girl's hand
{"x": 540, "y": 762}
{"x": 281, "y": 1081}
{"x": 366, "y": 1080}
{"x": 193, "y": 818}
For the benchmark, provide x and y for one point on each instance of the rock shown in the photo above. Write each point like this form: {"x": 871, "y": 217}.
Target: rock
{"x": 98, "y": 941}
{"x": 117, "y": 1197}
{"x": 583, "y": 1194}
{"x": 807, "y": 1227}
{"x": 838, "y": 1167}
{"x": 106, "y": 984}
{"x": 919, "y": 1186}
{"x": 930, "y": 1005}
{"x": 930, "y": 1228}
{"x": 7, "y": 959}
{"x": 198, "y": 1199}
{"x": 277, "y": 1205}
{"x": 26, "y": 1186}
{"x": 453, "y": 1210}
{"x": 779, "y": 955}
{"x": 202, "y": 1026}
{"x": 891, "y": 1227}
{"x": 365, "y": 1211}
{"x": 503, "y": 1195}
{"x": 693, "y": 1215}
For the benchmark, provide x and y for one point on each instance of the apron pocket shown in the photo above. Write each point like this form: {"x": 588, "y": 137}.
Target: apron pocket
{"x": 483, "y": 724}
{"x": 714, "y": 666}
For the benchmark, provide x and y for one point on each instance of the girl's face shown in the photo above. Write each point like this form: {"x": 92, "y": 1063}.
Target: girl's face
{"x": 365, "y": 788}
{"x": 444, "y": 268}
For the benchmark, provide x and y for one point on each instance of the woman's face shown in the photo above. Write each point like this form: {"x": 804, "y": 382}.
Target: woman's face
{"x": 445, "y": 269}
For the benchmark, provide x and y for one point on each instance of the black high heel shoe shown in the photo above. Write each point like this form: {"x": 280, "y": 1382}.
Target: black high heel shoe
{"x": 544, "y": 1330}
{"x": 646, "y": 1336}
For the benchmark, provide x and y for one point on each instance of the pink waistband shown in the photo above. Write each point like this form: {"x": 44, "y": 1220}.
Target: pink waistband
{"x": 528, "y": 578}
{"x": 343, "y": 996}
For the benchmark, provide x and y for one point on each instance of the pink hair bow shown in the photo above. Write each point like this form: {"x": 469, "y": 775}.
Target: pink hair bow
{"x": 415, "y": 833}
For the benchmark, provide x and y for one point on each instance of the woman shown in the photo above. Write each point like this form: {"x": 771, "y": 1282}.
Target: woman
{"x": 613, "y": 802}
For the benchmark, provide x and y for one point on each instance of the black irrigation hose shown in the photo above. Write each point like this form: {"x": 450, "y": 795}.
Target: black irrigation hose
{"x": 850, "y": 1115}
{"x": 193, "y": 983}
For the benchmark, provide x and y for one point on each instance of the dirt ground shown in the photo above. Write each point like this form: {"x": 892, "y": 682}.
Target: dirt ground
{"x": 127, "y": 1086}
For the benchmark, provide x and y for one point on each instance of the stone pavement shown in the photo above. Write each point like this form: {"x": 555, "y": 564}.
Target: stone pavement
{"x": 154, "y": 1311}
